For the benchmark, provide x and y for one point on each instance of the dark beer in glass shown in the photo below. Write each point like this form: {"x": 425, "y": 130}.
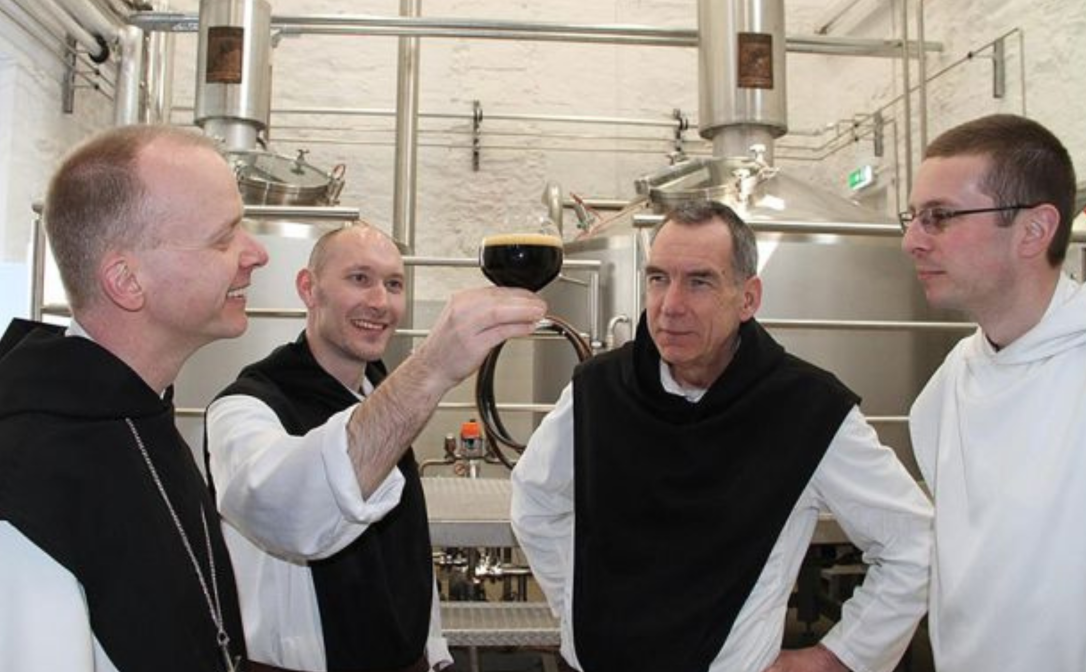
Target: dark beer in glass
{"x": 528, "y": 260}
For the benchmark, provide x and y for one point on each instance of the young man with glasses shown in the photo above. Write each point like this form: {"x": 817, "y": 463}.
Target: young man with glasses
{"x": 1000, "y": 430}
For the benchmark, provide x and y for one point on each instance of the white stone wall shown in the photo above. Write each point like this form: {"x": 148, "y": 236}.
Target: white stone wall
{"x": 1043, "y": 43}
{"x": 34, "y": 134}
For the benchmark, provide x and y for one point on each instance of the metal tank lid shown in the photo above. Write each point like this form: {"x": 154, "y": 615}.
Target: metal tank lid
{"x": 758, "y": 192}
{"x": 765, "y": 197}
{"x": 265, "y": 178}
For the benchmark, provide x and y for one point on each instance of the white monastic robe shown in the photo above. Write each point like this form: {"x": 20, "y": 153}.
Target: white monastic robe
{"x": 1000, "y": 438}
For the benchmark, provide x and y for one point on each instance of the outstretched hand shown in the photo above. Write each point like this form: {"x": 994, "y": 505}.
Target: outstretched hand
{"x": 815, "y": 658}
{"x": 472, "y": 323}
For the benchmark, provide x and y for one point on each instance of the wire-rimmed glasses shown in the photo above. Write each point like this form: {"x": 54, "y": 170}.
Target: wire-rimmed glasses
{"x": 935, "y": 220}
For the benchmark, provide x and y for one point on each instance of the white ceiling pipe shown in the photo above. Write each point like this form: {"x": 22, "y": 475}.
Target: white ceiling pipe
{"x": 68, "y": 24}
{"x": 88, "y": 14}
{"x": 114, "y": 8}
{"x": 126, "y": 102}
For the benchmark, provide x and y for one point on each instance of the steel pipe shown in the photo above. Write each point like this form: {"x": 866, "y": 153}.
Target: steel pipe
{"x": 906, "y": 98}
{"x": 69, "y": 24}
{"x": 599, "y": 203}
{"x": 88, "y": 14}
{"x": 48, "y": 42}
{"x": 405, "y": 177}
{"x": 301, "y": 212}
{"x": 796, "y": 227}
{"x": 159, "y": 77}
{"x": 37, "y": 276}
{"x": 922, "y": 78}
{"x": 511, "y": 30}
{"x": 127, "y": 95}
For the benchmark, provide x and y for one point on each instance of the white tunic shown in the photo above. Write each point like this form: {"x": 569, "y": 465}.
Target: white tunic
{"x": 860, "y": 481}
{"x": 44, "y": 619}
{"x": 285, "y": 500}
{"x": 1001, "y": 440}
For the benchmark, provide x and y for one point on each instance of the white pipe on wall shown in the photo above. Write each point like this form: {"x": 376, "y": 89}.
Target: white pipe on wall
{"x": 53, "y": 13}
{"x": 90, "y": 16}
{"x": 115, "y": 8}
{"x": 126, "y": 101}
{"x": 159, "y": 77}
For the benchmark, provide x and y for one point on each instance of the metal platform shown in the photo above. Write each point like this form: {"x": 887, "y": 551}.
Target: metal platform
{"x": 469, "y": 512}
{"x": 474, "y": 512}
{"x": 496, "y": 624}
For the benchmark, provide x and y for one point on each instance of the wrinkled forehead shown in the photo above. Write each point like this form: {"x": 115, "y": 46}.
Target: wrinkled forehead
{"x": 705, "y": 244}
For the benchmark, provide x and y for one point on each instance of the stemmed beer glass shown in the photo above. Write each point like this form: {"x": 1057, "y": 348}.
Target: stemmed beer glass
{"x": 528, "y": 260}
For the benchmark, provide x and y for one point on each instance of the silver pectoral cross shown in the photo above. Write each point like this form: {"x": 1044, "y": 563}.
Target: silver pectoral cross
{"x": 232, "y": 664}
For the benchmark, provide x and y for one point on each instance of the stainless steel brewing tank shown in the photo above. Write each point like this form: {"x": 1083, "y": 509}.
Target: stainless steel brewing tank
{"x": 805, "y": 276}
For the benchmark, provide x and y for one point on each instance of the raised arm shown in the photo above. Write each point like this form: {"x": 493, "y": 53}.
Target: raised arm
{"x": 472, "y": 323}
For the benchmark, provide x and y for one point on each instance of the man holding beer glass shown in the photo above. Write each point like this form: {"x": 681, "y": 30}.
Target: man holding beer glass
{"x": 310, "y": 455}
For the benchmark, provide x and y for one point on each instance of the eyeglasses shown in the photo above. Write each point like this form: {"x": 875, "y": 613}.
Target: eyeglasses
{"x": 935, "y": 220}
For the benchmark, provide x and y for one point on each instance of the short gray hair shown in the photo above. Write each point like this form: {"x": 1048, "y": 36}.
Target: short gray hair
{"x": 744, "y": 245}
{"x": 97, "y": 202}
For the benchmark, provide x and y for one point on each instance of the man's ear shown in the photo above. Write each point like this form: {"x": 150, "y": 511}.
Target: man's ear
{"x": 119, "y": 283}
{"x": 752, "y": 297}
{"x": 304, "y": 284}
{"x": 1041, "y": 224}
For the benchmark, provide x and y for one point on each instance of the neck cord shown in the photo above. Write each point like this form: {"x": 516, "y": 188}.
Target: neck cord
{"x": 214, "y": 607}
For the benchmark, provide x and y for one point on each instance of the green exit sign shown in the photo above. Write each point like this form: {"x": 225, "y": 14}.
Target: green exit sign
{"x": 861, "y": 177}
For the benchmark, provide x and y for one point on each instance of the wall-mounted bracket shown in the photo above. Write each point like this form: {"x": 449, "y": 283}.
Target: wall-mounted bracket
{"x": 679, "y": 144}
{"x": 878, "y": 134}
{"x": 476, "y": 133}
{"x": 999, "y": 68}
{"x": 67, "y": 85}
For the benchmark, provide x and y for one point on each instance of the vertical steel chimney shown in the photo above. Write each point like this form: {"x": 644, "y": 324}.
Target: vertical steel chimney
{"x": 741, "y": 75}
{"x": 233, "y": 76}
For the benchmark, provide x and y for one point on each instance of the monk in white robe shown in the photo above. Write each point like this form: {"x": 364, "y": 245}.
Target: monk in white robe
{"x": 999, "y": 431}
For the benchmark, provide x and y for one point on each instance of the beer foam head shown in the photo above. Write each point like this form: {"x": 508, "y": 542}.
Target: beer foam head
{"x": 541, "y": 239}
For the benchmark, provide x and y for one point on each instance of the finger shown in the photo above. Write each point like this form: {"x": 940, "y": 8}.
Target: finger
{"x": 512, "y": 311}
{"x": 500, "y": 333}
{"x": 510, "y": 292}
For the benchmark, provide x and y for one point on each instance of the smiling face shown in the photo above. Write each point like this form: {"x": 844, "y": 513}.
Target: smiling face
{"x": 970, "y": 265}
{"x": 695, "y": 301}
{"x": 199, "y": 261}
{"x": 354, "y": 294}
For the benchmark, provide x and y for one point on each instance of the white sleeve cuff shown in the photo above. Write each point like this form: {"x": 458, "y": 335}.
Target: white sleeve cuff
{"x": 343, "y": 482}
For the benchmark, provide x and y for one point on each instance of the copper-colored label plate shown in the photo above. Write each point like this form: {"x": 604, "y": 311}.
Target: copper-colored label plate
{"x": 225, "y": 54}
{"x": 755, "y": 61}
